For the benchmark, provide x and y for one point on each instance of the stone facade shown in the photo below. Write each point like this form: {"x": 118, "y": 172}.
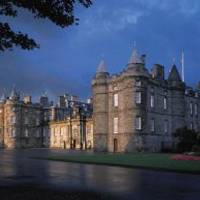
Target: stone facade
{"x": 137, "y": 110}
{"x": 71, "y": 125}
{"x": 24, "y": 124}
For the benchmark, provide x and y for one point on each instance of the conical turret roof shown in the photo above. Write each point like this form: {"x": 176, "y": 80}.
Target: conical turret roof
{"x": 14, "y": 94}
{"x": 174, "y": 74}
{"x": 101, "y": 68}
{"x": 134, "y": 59}
{"x": 3, "y": 97}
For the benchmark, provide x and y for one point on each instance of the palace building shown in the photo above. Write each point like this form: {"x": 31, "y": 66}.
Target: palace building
{"x": 65, "y": 124}
{"x": 137, "y": 110}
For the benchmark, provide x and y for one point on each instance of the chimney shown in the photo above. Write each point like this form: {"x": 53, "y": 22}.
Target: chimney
{"x": 27, "y": 98}
{"x": 74, "y": 98}
{"x": 158, "y": 72}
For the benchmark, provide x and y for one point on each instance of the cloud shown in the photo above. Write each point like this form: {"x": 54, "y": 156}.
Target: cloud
{"x": 68, "y": 58}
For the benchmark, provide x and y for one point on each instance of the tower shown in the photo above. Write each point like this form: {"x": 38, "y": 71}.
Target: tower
{"x": 178, "y": 104}
{"x": 100, "y": 107}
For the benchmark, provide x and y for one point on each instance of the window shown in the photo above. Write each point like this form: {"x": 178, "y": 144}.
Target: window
{"x": 38, "y": 133}
{"x": 138, "y": 123}
{"x": 152, "y": 125}
{"x": 13, "y": 133}
{"x": 88, "y": 129}
{"x": 152, "y": 101}
{"x": 26, "y": 120}
{"x": 166, "y": 126}
{"x": 152, "y": 89}
{"x": 191, "y": 108}
{"x": 138, "y": 98}
{"x": 37, "y": 121}
{"x": 196, "y": 109}
{"x": 191, "y": 125}
{"x": 115, "y": 100}
{"x": 138, "y": 83}
{"x": 13, "y": 120}
{"x": 196, "y": 126}
{"x": 165, "y": 103}
{"x": 62, "y": 131}
{"x": 26, "y": 133}
{"x": 115, "y": 125}
{"x": 115, "y": 88}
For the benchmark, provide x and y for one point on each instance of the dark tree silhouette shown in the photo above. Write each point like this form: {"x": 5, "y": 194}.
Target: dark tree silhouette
{"x": 60, "y": 12}
{"x": 187, "y": 139}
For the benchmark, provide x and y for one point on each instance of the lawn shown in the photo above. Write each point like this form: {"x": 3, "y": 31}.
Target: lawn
{"x": 137, "y": 160}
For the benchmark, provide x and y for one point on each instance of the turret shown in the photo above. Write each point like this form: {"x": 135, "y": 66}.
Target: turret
{"x": 174, "y": 78}
{"x": 3, "y": 97}
{"x": 177, "y": 98}
{"x": 136, "y": 65}
{"x": 44, "y": 100}
{"x": 100, "y": 107}
{"x": 14, "y": 95}
{"x": 198, "y": 86}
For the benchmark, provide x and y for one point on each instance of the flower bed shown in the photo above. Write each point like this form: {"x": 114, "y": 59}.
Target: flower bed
{"x": 185, "y": 157}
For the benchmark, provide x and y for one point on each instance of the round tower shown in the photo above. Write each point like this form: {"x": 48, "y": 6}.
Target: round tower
{"x": 100, "y": 107}
{"x": 178, "y": 103}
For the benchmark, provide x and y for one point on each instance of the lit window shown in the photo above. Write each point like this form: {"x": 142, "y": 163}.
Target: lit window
{"x": 115, "y": 125}
{"x": 138, "y": 98}
{"x": 152, "y": 101}
{"x": 166, "y": 126}
{"x": 191, "y": 108}
{"x": 152, "y": 125}
{"x": 88, "y": 129}
{"x": 13, "y": 132}
{"x": 138, "y": 83}
{"x": 138, "y": 123}
{"x": 115, "y": 88}
{"x": 115, "y": 100}
{"x": 165, "y": 103}
{"x": 196, "y": 109}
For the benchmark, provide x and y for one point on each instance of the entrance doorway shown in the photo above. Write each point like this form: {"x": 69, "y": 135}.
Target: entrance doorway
{"x": 115, "y": 145}
{"x": 73, "y": 144}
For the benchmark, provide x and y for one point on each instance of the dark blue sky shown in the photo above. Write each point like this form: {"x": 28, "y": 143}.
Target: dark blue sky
{"x": 68, "y": 58}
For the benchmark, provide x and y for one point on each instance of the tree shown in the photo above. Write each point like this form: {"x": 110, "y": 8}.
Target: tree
{"x": 60, "y": 12}
{"x": 187, "y": 139}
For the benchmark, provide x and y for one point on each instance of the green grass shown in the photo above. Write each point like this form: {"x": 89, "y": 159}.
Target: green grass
{"x": 148, "y": 161}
